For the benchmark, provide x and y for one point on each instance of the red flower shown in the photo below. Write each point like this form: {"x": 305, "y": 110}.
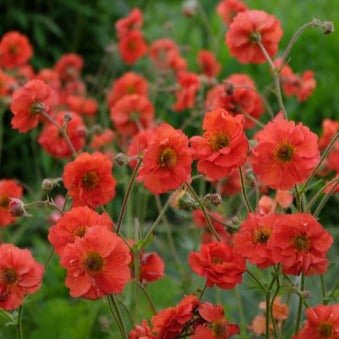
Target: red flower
{"x": 82, "y": 105}
{"x": 169, "y": 323}
{"x": 247, "y": 29}
{"x": 139, "y": 145}
{"x": 141, "y": 331}
{"x": 322, "y": 322}
{"x": 7, "y": 84}
{"x": 128, "y": 83}
{"x": 96, "y": 264}
{"x": 89, "y": 180}
{"x": 299, "y": 243}
{"x": 189, "y": 86}
{"x": 8, "y": 189}
{"x": 74, "y": 224}
{"x": 103, "y": 139}
{"x": 133, "y": 21}
{"x": 27, "y": 104}
{"x": 266, "y": 205}
{"x": 252, "y": 238}
{"x": 223, "y": 146}
{"x": 54, "y": 143}
{"x": 50, "y": 77}
{"x": 132, "y": 47}
{"x": 219, "y": 264}
{"x": 151, "y": 267}
{"x": 284, "y": 198}
{"x": 329, "y": 129}
{"x": 15, "y": 50}
{"x": 215, "y": 326}
{"x": 132, "y": 113}
{"x": 307, "y": 85}
{"x": 20, "y": 275}
{"x": 69, "y": 66}
{"x": 285, "y": 155}
{"x": 167, "y": 160}
{"x": 228, "y": 9}
{"x": 208, "y": 63}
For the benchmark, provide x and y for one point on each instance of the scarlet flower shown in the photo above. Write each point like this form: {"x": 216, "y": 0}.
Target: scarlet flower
{"x": 133, "y": 21}
{"x": 96, "y": 264}
{"x": 169, "y": 322}
{"x": 27, "y": 104}
{"x": 223, "y": 146}
{"x": 258, "y": 325}
{"x": 7, "y": 84}
{"x": 82, "y": 105}
{"x": 50, "y": 77}
{"x": 8, "y": 189}
{"x": 20, "y": 275}
{"x": 217, "y": 222}
{"x": 167, "y": 160}
{"x": 322, "y": 322}
{"x": 132, "y": 47}
{"x": 284, "y": 198}
{"x": 141, "y": 331}
{"x": 251, "y": 241}
{"x": 289, "y": 80}
{"x": 228, "y": 9}
{"x": 132, "y": 113}
{"x": 185, "y": 96}
{"x": 15, "y": 50}
{"x": 307, "y": 85}
{"x": 299, "y": 243}
{"x": 219, "y": 264}
{"x": 248, "y": 29}
{"x": 75, "y": 224}
{"x": 151, "y": 267}
{"x": 279, "y": 310}
{"x": 103, "y": 139}
{"x": 129, "y": 83}
{"x": 285, "y": 155}
{"x": 139, "y": 145}
{"x": 208, "y": 63}
{"x": 329, "y": 129}
{"x": 54, "y": 143}
{"x": 266, "y": 205}
{"x": 89, "y": 180}
{"x": 215, "y": 326}
{"x": 69, "y": 66}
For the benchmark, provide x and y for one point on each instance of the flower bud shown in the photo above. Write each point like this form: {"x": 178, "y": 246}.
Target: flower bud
{"x": 181, "y": 200}
{"x": 229, "y": 88}
{"x": 214, "y": 199}
{"x": 328, "y": 27}
{"x": 47, "y": 185}
{"x": 17, "y": 208}
{"x": 67, "y": 117}
{"x": 121, "y": 159}
{"x": 189, "y": 8}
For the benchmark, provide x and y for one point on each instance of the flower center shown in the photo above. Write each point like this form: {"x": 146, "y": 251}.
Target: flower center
{"x": 94, "y": 262}
{"x": 167, "y": 157}
{"x": 217, "y": 260}
{"x": 325, "y": 330}
{"x": 219, "y": 329}
{"x": 9, "y": 276}
{"x": 37, "y": 107}
{"x": 130, "y": 89}
{"x": 80, "y": 231}
{"x": 90, "y": 180}
{"x": 218, "y": 141}
{"x": 131, "y": 46}
{"x": 255, "y": 37}
{"x": 261, "y": 234}
{"x": 4, "y": 201}
{"x": 285, "y": 153}
{"x": 13, "y": 49}
{"x": 301, "y": 243}
{"x": 134, "y": 116}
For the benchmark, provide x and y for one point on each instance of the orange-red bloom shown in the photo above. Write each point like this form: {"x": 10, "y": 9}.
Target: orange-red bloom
{"x": 7, "y": 84}
{"x": 96, "y": 264}
{"x": 28, "y": 103}
{"x": 322, "y": 322}
{"x": 223, "y": 146}
{"x": 266, "y": 205}
{"x": 69, "y": 66}
{"x": 133, "y": 21}
{"x": 299, "y": 243}
{"x": 132, "y": 113}
{"x": 251, "y": 241}
{"x": 8, "y": 189}
{"x": 15, "y": 50}
{"x": 167, "y": 160}
{"x": 101, "y": 140}
{"x": 279, "y": 310}
{"x": 20, "y": 275}
{"x": 139, "y": 145}
{"x": 151, "y": 267}
{"x": 285, "y": 155}
{"x": 247, "y": 29}
{"x": 89, "y": 180}
{"x": 74, "y": 224}
{"x": 132, "y": 47}
{"x": 284, "y": 198}
{"x": 219, "y": 264}
{"x": 208, "y": 63}
{"x": 228, "y": 9}
{"x": 54, "y": 143}
{"x": 141, "y": 331}
{"x": 82, "y": 105}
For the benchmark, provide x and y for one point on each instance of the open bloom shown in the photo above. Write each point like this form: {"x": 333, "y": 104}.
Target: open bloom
{"x": 8, "y": 189}
{"x": 69, "y": 66}
{"x": 132, "y": 47}
{"x": 74, "y": 224}
{"x": 219, "y": 264}
{"x": 96, "y": 264}
{"x": 228, "y": 9}
{"x": 322, "y": 322}
{"x": 248, "y": 29}
{"x": 20, "y": 275}
{"x": 208, "y": 63}
{"x": 141, "y": 331}
{"x": 132, "y": 21}
{"x": 285, "y": 155}
{"x": 299, "y": 243}
{"x": 223, "y": 146}
{"x": 138, "y": 146}
{"x": 89, "y": 180}
{"x": 28, "y": 103}
{"x": 15, "y": 50}
{"x": 167, "y": 160}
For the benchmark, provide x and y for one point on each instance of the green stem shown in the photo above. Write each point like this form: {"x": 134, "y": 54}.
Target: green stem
{"x": 322, "y": 284}
{"x": 19, "y": 323}
{"x": 49, "y": 258}
{"x": 252, "y": 275}
{"x": 267, "y": 313}
{"x": 115, "y": 316}
{"x": 243, "y": 189}
{"x": 324, "y": 200}
{"x": 300, "y": 307}
{"x": 5, "y": 315}
{"x": 129, "y": 189}
{"x": 143, "y": 289}
{"x": 118, "y": 314}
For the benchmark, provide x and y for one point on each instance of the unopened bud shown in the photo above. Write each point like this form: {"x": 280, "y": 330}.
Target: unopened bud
{"x": 67, "y": 117}
{"x": 17, "y": 208}
{"x": 189, "y": 8}
{"x": 47, "y": 185}
{"x": 181, "y": 200}
{"x": 121, "y": 159}
{"x": 229, "y": 88}
{"x": 214, "y": 199}
{"x": 328, "y": 27}
{"x": 306, "y": 294}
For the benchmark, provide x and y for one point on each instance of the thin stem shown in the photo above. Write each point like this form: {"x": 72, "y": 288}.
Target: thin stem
{"x": 252, "y": 275}
{"x": 129, "y": 189}
{"x": 114, "y": 316}
{"x": 323, "y": 289}
{"x": 118, "y": 314}
{"x": 249, "y": 117}
{"x": 49, "y": 258}
{"x": 143, "y": 289}
{"x": 267, "y": 313}
{"x": 5, "y": 315}
{"x": 19, "y": 323}
{"x": 324, "y": 200}
{"x": 204, "y": 211}
{"x": 300, "y": 307}
{"x": 243, "y": 189}
{"x": 203, "y": 291}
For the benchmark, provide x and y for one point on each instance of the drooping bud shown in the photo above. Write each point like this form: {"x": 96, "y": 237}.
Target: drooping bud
{"x": 189, "y": 8}
{"x": 213, "y": 198}
{"x": 229, "y": 88}
{"x": 48, "y": 184}
{"x": 121, "y": 159}
{"x": 17, "y": 208}
{"x": 182, "y": 200}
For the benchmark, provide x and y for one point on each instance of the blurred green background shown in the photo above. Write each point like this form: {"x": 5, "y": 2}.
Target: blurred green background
{"x": 87, "y": 27}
